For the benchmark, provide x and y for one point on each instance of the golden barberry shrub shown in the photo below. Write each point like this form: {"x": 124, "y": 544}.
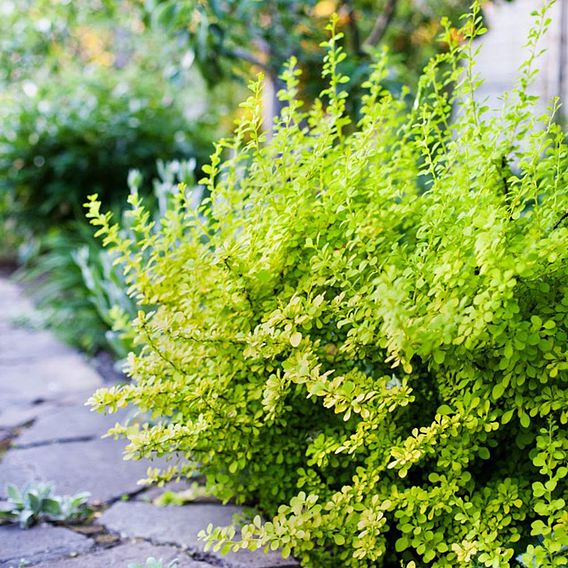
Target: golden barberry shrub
{"x": 362, "y": 331}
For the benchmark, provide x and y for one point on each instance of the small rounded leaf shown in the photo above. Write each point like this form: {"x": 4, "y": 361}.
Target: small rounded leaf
{"x": 295, "y": 339}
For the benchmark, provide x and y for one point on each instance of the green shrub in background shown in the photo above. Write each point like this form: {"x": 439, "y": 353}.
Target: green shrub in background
{"x": 82, "y": 132}
{"x": 363, "y": 331}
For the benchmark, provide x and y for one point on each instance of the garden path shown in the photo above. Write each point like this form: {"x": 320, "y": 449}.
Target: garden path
{"x": 48, "y": 435}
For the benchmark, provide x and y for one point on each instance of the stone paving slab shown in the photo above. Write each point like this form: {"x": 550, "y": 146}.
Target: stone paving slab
{"x": 14, "y": 414}
{"x": 47, "y": 379}
{"x": 120, "y": 556}
{"x": 39, "y": 544}
{"x": 21, "y": 344}
{"x": 96, "y": 466}
{"x": 12, "y": 303}
{"x": 18, "y": 414}
{"x": 67, "y": 424}
{"x": 181, "y": 525}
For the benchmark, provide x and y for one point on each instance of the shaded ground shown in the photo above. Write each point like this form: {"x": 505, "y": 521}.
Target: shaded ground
{"x": 47, "y": 435}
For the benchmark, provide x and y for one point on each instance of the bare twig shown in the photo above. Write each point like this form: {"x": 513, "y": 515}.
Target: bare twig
{"x": 382, "y": 24}
{"x": 559, "y": 222}
{"x": 354, "y": 28}
{"x": 239, "y": 53}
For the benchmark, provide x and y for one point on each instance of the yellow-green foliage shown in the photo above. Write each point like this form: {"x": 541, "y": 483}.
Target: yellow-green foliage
{"x": 363, "y": 331}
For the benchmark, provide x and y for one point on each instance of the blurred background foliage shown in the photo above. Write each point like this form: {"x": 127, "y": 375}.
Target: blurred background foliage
{"x": 82, "y": 134}
{"x": 232, "y": 38}
{"x": 90, "y": 89}
{"x": 85, "y": 98}
{"x": 88, "y": 92}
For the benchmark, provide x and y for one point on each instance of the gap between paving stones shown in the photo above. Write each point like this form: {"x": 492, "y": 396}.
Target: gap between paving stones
{"x": 52, "y": 442}
{"x": 129, "y": 552}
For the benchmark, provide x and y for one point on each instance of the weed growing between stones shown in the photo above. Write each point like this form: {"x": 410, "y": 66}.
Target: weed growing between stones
{"x": 153, "y": 563}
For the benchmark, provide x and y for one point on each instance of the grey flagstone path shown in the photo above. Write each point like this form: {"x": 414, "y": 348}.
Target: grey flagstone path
{"x": 52, "y": 437}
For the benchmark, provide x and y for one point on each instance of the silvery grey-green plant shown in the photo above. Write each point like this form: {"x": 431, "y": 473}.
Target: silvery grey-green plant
{"x": 36, "y": 502}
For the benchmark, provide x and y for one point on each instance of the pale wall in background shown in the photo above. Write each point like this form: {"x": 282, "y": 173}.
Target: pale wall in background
{"x": 503, "y": 50}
